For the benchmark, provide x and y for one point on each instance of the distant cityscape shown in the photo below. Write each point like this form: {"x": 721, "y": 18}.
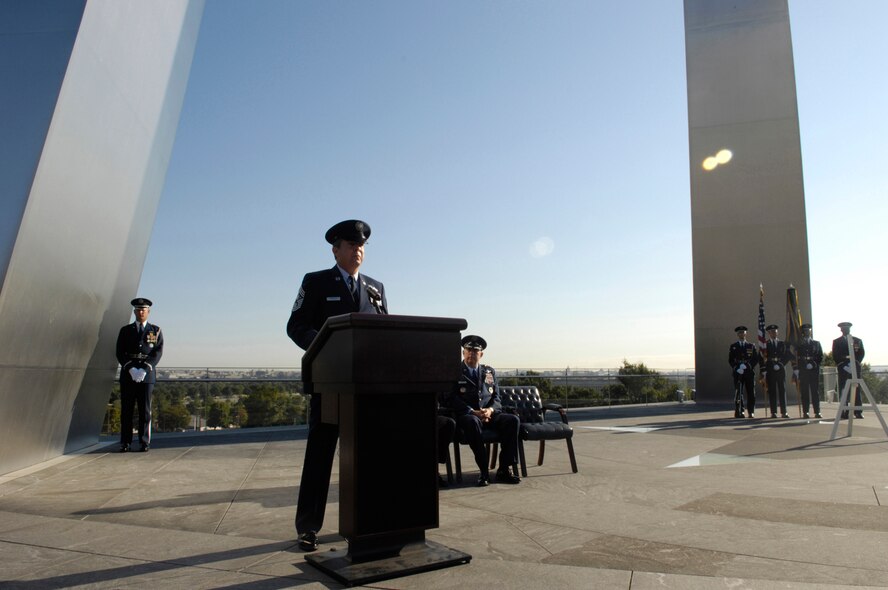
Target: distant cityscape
{"x": 573, "y": 377}
{"x": 577, "y": 377}
{"x": 285, "y": 374}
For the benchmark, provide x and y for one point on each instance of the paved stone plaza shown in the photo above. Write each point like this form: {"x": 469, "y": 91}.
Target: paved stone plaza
{"x": 668, "y": 496}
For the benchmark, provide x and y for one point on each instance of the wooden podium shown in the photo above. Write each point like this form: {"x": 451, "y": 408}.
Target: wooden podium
{"x": 379, "y": 377}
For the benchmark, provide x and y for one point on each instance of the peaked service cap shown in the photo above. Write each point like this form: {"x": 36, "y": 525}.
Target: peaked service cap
{"x": 350, "y": 230}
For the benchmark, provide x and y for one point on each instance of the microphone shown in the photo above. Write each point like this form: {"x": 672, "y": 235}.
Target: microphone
{"x": 375, "y": 298}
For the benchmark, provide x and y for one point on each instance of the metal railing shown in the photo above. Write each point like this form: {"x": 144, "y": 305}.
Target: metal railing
{"x": 572, "y": 388}
{"x": 561, "y": 385}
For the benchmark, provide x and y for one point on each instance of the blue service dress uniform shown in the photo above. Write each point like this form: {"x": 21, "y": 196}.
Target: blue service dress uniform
{"x": 777, "y": 354}
{"x": 323, "y": 294}
{"x": 743, "y": 357}
{"x": 477, "y": 393}
{"x": 809, "y": 356}
{"x": 843, "y": 366}
{"x": 140, "y": 350}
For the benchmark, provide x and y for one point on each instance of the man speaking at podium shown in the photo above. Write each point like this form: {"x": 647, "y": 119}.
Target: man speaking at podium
{"x": 324, "y": 294}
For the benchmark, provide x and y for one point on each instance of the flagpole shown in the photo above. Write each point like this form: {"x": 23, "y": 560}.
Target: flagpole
{"x": 763, "y": 349}
{"x": 793, "y": 330}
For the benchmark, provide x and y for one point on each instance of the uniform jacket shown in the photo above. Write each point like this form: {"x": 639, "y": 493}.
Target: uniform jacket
{"x": 743, "y": 353}
{"x": 841, "y": 354}
{"x": 476, "y": 394}
{"x": 139, "y": 353}
{"x": 324, "y": 294}
{"x": 777, "y": 353}
{"x": 809, "y": 353}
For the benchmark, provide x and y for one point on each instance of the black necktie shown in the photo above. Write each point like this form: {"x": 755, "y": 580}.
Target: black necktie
{"x": 352, "y": 286}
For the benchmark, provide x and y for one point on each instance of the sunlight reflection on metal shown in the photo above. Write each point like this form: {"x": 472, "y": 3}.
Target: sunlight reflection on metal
{"x": 722, "y": 157}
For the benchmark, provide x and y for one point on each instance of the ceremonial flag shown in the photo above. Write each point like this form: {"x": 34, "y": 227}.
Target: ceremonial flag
{"x": 761, "y": 326}
{"x": 793, "y": 319}
{"x": 763, "y": 345}
{"x": 793, "y": 331}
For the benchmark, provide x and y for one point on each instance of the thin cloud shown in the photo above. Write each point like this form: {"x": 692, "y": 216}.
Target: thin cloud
{"x": 542, "y": 247}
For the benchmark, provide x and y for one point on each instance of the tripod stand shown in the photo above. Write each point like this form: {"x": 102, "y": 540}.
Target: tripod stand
{"x": 848, "y": 405}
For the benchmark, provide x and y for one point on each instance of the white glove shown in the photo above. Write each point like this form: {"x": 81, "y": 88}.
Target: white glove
{"x": 138, "y": 375}
{"x": 776, "y": 367}
{"x": 742, "y": 365}
{"x": 796, "y": 373}
{"x": 741, "y": 369}
{"x": 809, "y": 366}
{"x": 847, "y": 368}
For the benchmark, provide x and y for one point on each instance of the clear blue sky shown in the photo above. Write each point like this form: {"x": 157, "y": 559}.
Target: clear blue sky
{"x": 523, "y": 165}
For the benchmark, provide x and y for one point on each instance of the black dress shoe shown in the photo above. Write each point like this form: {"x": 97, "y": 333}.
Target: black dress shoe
{"x": 483, "y": 482}
{"x": 506, "y": 476}
{"x": 144, "y": 448}
{"x": 308, "y": 541}
{"x": 442, "y": 483}
{"x": 858, "y": 415}
{"x": 844, "y": 415}
{"x": 817, "y": 415}
{"x": 124, "y": 448}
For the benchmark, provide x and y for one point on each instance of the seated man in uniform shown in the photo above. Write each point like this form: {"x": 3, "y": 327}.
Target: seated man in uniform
{"x": 476, "y": 406}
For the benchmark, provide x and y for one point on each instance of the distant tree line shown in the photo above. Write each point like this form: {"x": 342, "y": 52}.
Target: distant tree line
{"x": 181, "y": 405}
{"x": 233, "y": 404}
{"x": 634, "y": 383}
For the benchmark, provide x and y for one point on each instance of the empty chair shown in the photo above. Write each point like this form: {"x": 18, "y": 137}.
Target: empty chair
{"x": 526, "y": 402}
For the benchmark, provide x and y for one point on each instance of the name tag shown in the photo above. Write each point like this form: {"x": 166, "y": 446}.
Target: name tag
{"x": 334, "y": 298}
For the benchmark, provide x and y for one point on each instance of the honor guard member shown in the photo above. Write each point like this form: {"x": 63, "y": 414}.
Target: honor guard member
{"x": 777, "y": 354}
{"x": 476, "y": 404}
{"x": 323, "y": 294}
{"x": 743, "y": 357}
{"x": 809, "y": 355}
{"x": 139, "y": 348}
{"x": 843, "y": 365}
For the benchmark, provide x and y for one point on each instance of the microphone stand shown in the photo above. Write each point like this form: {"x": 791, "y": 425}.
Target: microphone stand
{"x": 376, "y": 299}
